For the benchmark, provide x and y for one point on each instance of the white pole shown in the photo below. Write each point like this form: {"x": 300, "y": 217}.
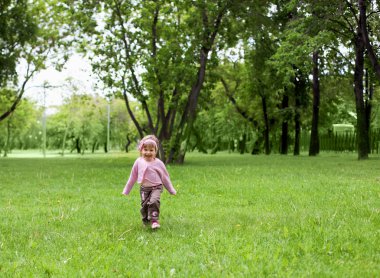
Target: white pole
{"x": 44, "y": 125}
{"x": 108, "y": 126}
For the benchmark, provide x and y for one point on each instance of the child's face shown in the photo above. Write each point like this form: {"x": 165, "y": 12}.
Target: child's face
{"x": 148, "y": 152}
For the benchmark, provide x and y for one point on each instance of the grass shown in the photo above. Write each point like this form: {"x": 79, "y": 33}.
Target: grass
{"x": 234, "y": 216}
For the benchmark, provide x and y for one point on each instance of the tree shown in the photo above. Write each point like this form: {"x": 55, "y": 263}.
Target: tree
{"x": 235, "y": 86}
{"x": 15, "y": 35}
{"x": 29, "y": 35}
{"x": 314, "y": 137}
{"x": 19, "y": 129}
{"x": 248, "y": 84}
{"x": 364, "y": 26}
{"x": 348, "y": 22}
{"x": 260, "y": 79}
{"x": 291, "y": 62}
{"x": 81, "y": 121}
{"x": 157, "y": 53}
{"x": 123, "y": 132}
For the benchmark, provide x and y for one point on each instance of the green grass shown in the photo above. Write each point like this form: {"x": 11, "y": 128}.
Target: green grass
{"x": 234, "y": 216}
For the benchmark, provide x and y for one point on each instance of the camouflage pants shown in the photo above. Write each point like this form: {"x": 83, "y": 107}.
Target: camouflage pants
{"x": 150, "y": 202}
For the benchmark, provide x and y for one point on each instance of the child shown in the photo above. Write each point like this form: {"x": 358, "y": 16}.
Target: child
{"x": 150, "y": 172}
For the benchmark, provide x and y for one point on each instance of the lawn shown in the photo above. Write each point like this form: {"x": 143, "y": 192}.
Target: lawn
{"x": 234, "y": 216}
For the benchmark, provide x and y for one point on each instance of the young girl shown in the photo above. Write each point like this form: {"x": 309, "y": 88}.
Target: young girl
{"x": 151, "y": 174}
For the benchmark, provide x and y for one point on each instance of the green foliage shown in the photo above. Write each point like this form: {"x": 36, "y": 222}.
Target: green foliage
{"x": 81, "y": 120}
{"x": 18, "y": 27}
{"x": 81, "y": 124}
{"x": 234, "y": 215}
{"x": 32, "y": 33}
{"x": 20, "y": 130}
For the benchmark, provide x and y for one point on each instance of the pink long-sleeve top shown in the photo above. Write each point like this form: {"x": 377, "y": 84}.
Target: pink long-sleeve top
{"x": 149, "y": 172}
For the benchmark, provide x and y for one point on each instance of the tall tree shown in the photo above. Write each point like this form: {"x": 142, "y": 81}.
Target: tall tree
{"x": 14, "y": 36}
{"x": 29, "y": 35}
{"x": 347, "y": 20}
{"x": 254, "y": 90}
{"x": 290, "y": 63}
{"x": 260, "y": 79}
{"x": 314, "y": 136}
{"x": 156, "y": 52}
{"x": 362, "y": 128}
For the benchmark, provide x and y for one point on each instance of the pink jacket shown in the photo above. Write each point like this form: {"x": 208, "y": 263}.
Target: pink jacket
{"x": 155, "y": 172}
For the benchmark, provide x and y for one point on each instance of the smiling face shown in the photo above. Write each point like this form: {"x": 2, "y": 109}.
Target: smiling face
{"x": 148, "y": 152}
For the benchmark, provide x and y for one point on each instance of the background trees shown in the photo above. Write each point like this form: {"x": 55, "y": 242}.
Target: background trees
{"x": 253, "y": 75}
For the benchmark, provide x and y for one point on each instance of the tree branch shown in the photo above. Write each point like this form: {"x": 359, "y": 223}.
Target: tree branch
{"x": 135, "y": 83}
{"x": 28, "y": 75}
{"x": 130, "y": 112}
{"x": 160, "y": 101}
{"x": 370, "y": 52}
{"x": 233, "y": 101}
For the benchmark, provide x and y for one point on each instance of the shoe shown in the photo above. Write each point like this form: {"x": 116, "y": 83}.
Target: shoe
{"x": 155, "y": 225}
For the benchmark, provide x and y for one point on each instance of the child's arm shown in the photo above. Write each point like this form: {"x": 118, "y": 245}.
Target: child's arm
{"x": 166, "y": 181}
{"x": 132, "y": 179}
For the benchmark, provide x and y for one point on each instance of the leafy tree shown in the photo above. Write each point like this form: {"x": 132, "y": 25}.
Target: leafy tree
{"x": 19, "y": 129}
{"x": 29, "y": 36}
{"x": 219, "y": 124}
{"x": 14, "y": 34}
{"x": 347, "y": 20}
{"x": 123, "y": 132}
{"x": 157, "y": 53}
{"x": 300, "y": 49}
{"x": 80, "y": 121}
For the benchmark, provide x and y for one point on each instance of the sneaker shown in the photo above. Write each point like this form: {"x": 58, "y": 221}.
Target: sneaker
{"x": 155, "y": 225}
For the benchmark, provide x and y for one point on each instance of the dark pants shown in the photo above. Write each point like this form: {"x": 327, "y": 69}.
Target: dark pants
{"x": 150, "y": 203}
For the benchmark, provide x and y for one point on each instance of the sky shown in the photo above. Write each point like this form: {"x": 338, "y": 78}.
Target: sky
{"x": 76, "y": 67}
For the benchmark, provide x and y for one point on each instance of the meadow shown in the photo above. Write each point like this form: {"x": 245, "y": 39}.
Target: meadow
{"x": 234, "y": 216}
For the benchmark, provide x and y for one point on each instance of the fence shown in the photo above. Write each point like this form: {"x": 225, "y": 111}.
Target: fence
{"x": 341, "y": 142}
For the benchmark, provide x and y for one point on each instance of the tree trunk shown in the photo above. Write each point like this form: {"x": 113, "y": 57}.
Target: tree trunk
{"x": 266, "y": 122}
{"x": 127, "y": 144}
{"x": 21, "y": 92}
{"x": 77, "y": 145}
{"x": 242, "y": 143}
{"x": 362, "y": 130}
{"x": 368, "y": 106}
{"x": 178, "y": 149}
{"x": 8, "y": 139}
{"x": 299, "y": 91}
{"x": 297, "y": 128}
{"x": 95, "y": 146}
{"x": 285, "y": 126}
{"x": 64, "y": 140}
{"x": 314, "y": 137}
